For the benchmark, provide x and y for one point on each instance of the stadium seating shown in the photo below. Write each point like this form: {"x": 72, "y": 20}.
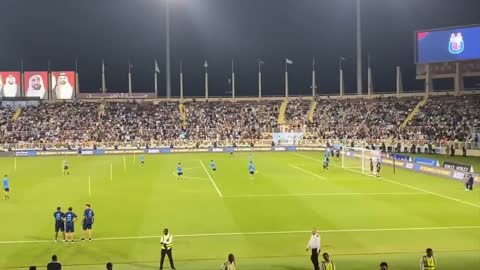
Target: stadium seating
{"x": 445, "y": 118}
{"x": 297, "y": 111}
{"x": 359, "y": 118}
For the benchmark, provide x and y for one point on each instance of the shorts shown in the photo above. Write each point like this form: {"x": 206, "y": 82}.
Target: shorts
{"x": 180, "y": 173}
{"x": 252, "y": 172}
{"x": 214, "y": 169}
{"x": 59, "y": 226}
{"x": 87, "y": 226}
{"x": 6, "y": 189}
{"x": 65, "y": 168}
{"x": 69, "y": 227}
{"x": 142, "y": 161}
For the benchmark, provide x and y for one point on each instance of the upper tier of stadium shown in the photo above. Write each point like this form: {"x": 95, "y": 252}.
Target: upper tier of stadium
{"x": 414, "y": 118}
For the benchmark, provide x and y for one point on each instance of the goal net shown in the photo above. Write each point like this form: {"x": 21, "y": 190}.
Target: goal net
{"x": 358, "y": 159}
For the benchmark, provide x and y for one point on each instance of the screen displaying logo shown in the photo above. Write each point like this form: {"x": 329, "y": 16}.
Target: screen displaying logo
{"x": 456, "y": 44}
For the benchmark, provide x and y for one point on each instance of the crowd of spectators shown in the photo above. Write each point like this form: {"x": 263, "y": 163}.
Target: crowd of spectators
{"x": 442, "y": 118}
{"x": 446, "y": 118}
{"x": 57, "y": 122}
{"x": 361, "y": 119}
{"x": 226, "y": 120}
{"x": 297, "y": 112}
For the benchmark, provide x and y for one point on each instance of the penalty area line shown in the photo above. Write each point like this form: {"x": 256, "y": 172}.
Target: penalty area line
{"x": 401, "y": 184}
{"x": 309, "y": 172}
{"x": 326, "y": 194}
{"x": 259, "y": 233}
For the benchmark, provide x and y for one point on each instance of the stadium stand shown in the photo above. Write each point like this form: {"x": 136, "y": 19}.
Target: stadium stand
{"x": 359, "y": 118}
{"x": 442, "y": 118}
{"x": 446, "y": 118}
{"x": 230, "y": 121}
{"x": 297, "y": 111}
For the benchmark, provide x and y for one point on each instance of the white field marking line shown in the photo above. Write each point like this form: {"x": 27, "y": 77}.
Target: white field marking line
{"x": 326, "y": 194}
{"x": 260, "y": 233}
{"x": 211, "y": 179}
{"x": 405, "y": 185}
{"x": 309, "y": 172}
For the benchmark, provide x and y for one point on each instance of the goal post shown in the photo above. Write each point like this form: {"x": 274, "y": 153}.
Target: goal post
{"x": 358, "y": 159}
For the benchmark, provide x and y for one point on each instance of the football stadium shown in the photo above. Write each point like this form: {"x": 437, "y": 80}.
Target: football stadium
{"x": 206, "y": 157}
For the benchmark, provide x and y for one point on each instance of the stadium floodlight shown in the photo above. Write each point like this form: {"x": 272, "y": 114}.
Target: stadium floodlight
{"x": 167, "y": 49}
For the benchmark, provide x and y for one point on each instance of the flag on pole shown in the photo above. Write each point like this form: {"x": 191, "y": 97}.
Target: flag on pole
{"x": 288, "y": 61}
{"x": 157, "y": 69}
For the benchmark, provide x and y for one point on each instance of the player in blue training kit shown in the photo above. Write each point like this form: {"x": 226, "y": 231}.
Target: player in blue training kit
{"x": 88, "y": 218}
{"x": 251, "y": 169}
{"x": 142, "y": 160}
{"x": 65, "y": 168}
{"x": 213, "y": 166}
{"x": 179, "y": 171}
{"x": 231, "y": 150}
{"x": 325, "y": 163}
{"x": 70, "y": 219}
{"x": 59, "y": 224}
{"x": 6, "y": 188}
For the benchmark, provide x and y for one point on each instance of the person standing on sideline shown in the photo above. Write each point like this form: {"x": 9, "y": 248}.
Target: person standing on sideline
{"x": 70, "y": 219}
{"x": 314, "y": 246}
{"x": 54, "y": 264}
{"x": 167, "y": 243}
{"x": 383, "y": 266}
{"x": 109, "y": 266}
{"x": 88, "y": 219}
{"x": 230, "y": 263}
{"x": 428, "y": 261}
{"x": 327, "y": 264}
{"x": 59, "y": 224}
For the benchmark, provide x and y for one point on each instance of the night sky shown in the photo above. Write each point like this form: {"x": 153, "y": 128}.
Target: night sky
{"x": 219, "y": 30}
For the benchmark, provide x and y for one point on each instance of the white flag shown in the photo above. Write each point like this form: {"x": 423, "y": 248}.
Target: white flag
{"x": 288, "y": 61}
{"x": 157, "y": 69}
{"x": 206, "y": 64}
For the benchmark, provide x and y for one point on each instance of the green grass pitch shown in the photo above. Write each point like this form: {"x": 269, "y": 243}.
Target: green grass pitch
{"x": 265, "y": 222}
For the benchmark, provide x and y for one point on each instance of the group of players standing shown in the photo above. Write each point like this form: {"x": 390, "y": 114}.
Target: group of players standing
{"x": 65, "y": 222}
{"x": 213, "y": 167}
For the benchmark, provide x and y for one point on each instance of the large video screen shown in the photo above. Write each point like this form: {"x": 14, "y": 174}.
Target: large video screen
{"x": 446, "y": 45}
{"x": 9, "y": 84}
{"x": 36, "y": 84}
{"x": 63, "y": 84}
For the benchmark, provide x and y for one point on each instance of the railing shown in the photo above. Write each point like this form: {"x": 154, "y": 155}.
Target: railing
{"x": 266, "y": 141}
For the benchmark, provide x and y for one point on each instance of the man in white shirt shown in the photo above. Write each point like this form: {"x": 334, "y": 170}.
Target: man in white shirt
{"x": 314, "y": 246}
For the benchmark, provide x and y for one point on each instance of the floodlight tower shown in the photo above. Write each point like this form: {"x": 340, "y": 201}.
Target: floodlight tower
{"x": 167, "y": 49}
{"x": 359, "y": 50}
